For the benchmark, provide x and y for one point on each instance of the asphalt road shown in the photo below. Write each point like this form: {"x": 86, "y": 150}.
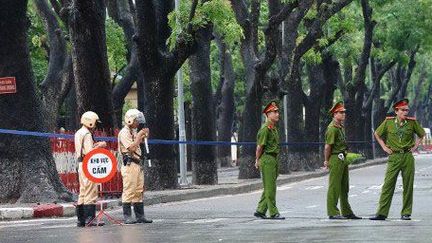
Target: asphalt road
{"x": 230, "y": 218}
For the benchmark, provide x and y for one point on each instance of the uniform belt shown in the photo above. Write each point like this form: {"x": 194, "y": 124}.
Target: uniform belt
{"x": 402, "y": 151}
{"x": 343, "y": 152}
{"x": 272, "y": 154}
{"x": 132, "y": 159}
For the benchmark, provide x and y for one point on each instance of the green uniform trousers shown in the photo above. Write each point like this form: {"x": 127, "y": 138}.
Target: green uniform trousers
{"x": 338, "y": 187}
{"x": 269, "y": 173}
{"x": 398, "y": 162}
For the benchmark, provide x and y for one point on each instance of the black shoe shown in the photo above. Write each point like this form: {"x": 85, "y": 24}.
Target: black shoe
{"x": 260, "y": 215}
{"x": 337, "y": 217}
{"x": 378, "y": 217}
{"x": 406, "y": 217}
{"x": 79, "y": 210}
{"x": 352, "y": 216}
{"x": 127, "y": 214}
{"x": 277, "y": 216}
{"x": 139, "y": 213}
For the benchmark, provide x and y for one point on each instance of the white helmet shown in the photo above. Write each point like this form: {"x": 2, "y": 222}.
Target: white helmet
{"x": 132, "y": 115}
{"x": 89, "y": 119}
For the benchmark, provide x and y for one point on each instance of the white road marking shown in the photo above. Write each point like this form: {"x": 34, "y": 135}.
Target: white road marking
{"x": 19, "y": 225}
{"x": 32, "y": 221}
{"x": 311, "y": 188}
{"x": 286, "y": 187}
{"x": 286, "y": 211}
{"x": 365, "y": 191}
{"x": 312, "y": 206}
{"x": 204, "y": 221}
{"x": 375, "y": 187}
{"x": 353, "y": 195}
{"x": 59, "y": 226}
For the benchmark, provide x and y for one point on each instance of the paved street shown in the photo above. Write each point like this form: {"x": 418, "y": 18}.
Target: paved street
{"x": 229, "y": 218}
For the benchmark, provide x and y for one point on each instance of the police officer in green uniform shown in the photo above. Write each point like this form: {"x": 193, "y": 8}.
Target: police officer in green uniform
{"x": 335, "y": 153}
{"x": 399, "y": 144}
{"x": 267, "y": 161}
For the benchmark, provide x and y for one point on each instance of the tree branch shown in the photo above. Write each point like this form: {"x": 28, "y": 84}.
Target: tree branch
{"x": 184, "y": 44}
{"x": 331, "y": 41}
{"x": 359, "y": 77}
{"x": 241, "y": 13}
{"x": 270, "y": 34}
{"x": 315, "y": 29}
{"x": 287, "y": 9}
{"x": 407, "y": 76}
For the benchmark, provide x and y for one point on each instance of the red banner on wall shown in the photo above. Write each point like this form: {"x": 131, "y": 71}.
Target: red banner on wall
{"x": 8, "y": 85}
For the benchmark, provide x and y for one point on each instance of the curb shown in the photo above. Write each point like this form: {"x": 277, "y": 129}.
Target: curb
{"x": 49, "y": 210}
{"x": 68, "y": 210}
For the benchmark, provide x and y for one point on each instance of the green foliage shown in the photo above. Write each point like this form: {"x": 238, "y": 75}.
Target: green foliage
{"x": 37, "y": 39}
{"x": 402, "y": 26}
{"x": 350, "y": 21}
{"x": 312, "y": 56}
{"x": 116, "y": 46}
{"x": 215, "y": 12}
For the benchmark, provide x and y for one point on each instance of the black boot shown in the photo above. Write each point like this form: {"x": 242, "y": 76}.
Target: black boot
{"x": 79, "y": 210}
{"x": 378, "y": 217}
{"x": 139, "y": 213}
{"x": 90, "y": 214}
{"x": 127, "y": 214}
{"x": 352, "y": 216}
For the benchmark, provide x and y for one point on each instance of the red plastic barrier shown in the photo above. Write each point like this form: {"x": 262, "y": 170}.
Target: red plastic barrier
{"x": 68, "y": 176}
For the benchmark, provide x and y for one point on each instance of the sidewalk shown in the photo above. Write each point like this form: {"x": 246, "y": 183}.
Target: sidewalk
{"x": 228, "y": 184}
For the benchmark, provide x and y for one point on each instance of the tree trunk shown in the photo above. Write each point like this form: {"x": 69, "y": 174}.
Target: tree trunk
{"x": 120, "y": 91}
{"x": 90, "y": 62}
{"x": 204, "y": 166}
{"x": 251, "y": 122}
{"x": 59, "y": 78}
{"x": 225, "y": 108}
{"x": 296, "y": 158}
{"x": 72, "y": 119}
{"x": 332, "y": 74}
{"x": 28, "y": 172}
{"x": 313, "y": 113}
{"x": 407, "y": 74}
{"x": 159, "y": 91}
{"x": 121, "y": 13}
{"x": 354, "y": 96}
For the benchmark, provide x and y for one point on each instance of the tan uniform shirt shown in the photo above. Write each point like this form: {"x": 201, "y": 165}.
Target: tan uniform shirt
{"x": 126, "y": 138}
{"x": 83, "y": 142}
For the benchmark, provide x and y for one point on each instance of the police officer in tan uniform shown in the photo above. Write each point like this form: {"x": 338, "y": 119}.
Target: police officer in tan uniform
{"x": 129, "y": 140}
{"x": 88, "y": 192}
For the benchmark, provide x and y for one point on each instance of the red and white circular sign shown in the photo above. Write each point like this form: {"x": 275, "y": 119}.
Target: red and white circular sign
{"x": 99, "y": 165}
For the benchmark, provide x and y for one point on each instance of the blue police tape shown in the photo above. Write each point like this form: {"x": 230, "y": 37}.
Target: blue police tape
{"x": 161, "y": 141}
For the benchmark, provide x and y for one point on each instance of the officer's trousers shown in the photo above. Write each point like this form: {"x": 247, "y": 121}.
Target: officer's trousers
{"x": 338, "y": 187}
{"x": 88, "y": 192}
{"x": 403, "y": 162}
{"x": 269, "y": 173}
{"x": 133, "y": 183}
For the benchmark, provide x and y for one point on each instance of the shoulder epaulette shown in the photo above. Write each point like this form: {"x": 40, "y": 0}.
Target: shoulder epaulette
{"x": 411, "y": 118}
{"x": 390, "y": 117}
